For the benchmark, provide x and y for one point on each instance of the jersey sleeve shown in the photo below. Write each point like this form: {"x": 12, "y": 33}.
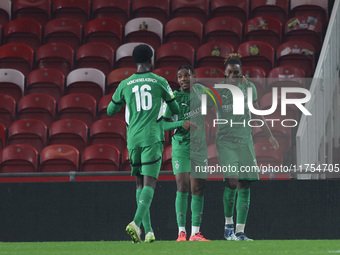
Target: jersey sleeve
{"x": 169, "y": 97}
{"x": 116, "y": 103}
{"x": 254, "y": 91}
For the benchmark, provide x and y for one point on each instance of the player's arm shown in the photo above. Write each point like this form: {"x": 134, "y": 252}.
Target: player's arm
{"x": 116, "y": 103}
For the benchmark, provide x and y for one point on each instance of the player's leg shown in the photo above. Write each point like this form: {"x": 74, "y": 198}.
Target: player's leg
{"x": 181, "y": 203}
{"x": 229, "y": 199}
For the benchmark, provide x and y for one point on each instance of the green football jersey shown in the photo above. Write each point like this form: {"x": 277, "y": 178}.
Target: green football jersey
{"x": 143, "y": 94}
{"x": 236, "y": 131}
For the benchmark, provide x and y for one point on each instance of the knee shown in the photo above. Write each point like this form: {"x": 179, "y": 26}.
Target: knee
{"x": 231, "y": 183}
{"x": 183, "y": 186}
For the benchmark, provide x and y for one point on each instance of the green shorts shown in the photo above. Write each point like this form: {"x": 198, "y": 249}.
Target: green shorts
{"x": 146, "y": 160}
{"x": 237, "y": 161}
{"x": 185, "y": 162}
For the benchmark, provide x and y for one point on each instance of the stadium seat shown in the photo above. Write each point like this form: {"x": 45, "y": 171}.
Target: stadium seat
{"x": 79, "y": 10}
{"x": 157, "y": 9}
{"x": 258, "y": 77}
{"x": 277, "y": 9}
{"x": 209, "y": 75}
{"x": 146, "y": 30}
{"x": 102, "y": 108}
{"x": 32, "y": 132}
{"x": 59, "y": 158}
{"x": 297, "y": 53}
{"x": 2, "y": 136}
{"x": 37, "y": 106}
{"x": 95, "y": 55}
{"x": 77, "y": 106}
{"x": 64, "y": 30}
{"x": 286, "y": 76}
{"x": 100, "y": 157}
{"x": 119, "y": 10}
{"x": 125, "y": 161}
{"x": 69, "y": 131}
{"x": 198, "y": 9}
{"x": 108, "y": 131}
{"x": 89, "y": 81}
{"x": 212, "y": 54}
{"x": 175, "y": 54}
{"x": 265, "y": 156}
{"x": 170, "y": 74}
{"x": 17, "y": 56}
{"x": 314, "y": 8}
{"x": 47, "y": 81}
{"x": 124, "y": 55}
{"x": 12, "y": 83}
{"x": 39, "y": 10}
{"x": 184, "y": 29}
{"x": 304, "y": 28}
{"x": 7, "y": 110}
{"x": 264, "y": 28}
{"x": 232, "y": 8}
{"x": 55, "y": 55}
{"x": 105, "y": 30}
{"x": 256, "y": 53}
{"x": 224, "y": 29}
{"x": 19, "y": 158}
{"x": 5, "y": 12}
{"x": 116, "y": 76}
{"x": 23, "y": 30}
{"x": 167, "y": 159}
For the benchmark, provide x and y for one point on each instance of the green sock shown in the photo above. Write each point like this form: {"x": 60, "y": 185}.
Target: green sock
{"x": 242, "y": 205}
{"x": 146, "y": 220}
{"x": 143, "y": 204}
{"x": 229, "y": 197}
{"x": 181, "y": 205}
{"x": 197, "y": 203}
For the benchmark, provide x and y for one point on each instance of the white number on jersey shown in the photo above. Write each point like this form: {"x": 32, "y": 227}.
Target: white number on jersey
{"x": 143, "y": 97}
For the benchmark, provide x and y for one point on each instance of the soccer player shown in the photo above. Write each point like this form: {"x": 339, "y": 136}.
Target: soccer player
{"x": 143, "y": 93}
{"x": 235, "y": 148}
{"x": 189, "y": 149}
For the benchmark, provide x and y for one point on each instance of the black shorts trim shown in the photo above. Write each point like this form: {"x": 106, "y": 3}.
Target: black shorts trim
{"x": 115, "y": 102}
{"x": 147, "y": 163}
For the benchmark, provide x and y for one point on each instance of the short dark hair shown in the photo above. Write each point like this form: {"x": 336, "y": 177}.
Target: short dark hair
{"x": 142, "y": 53}
{"x": 233, "y": 59}
{"x": 188, "y": 67}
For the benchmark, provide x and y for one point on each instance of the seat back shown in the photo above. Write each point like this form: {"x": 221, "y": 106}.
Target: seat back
{"x": 233, "y": 8}
{"x": 157, "y": 9}
{"x": 76, "y": 9}
{"x": 198, "y": 9}
{"x": 39, "y": 10}
{"x": 119, "y": 10}
{"x": 124, "y": 55}
{"x": 7, "y": 109}
{"x": 116, "y": 76}
{"x": 12, "y": 83}
{"x": 175, "y": 54}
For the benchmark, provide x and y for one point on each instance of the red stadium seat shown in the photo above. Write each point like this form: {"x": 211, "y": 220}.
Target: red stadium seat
{"x": 209, "y": 75}
{"x": 175, "y": 54}
{"x": 125, "y": 161}
{"x": 109, "y": 131}
{"x": 167, "y": 159}
{"x": 264, "y": 28}
{"x": 116, "y": 76}
{"x": 256, "y": 53}
{"x": 146, "y": 30}
{"x": 102, "y": 108}
{"x": 314, "y": 8}
{"x": 286, "y": 76}
{"x": 124, "y": 55}
{"x": 7, "y": 110}
{"x": 40, "y": 10}
{"x": 19, "y": 158}
{"x": 12, "y": 83}
{"x": 266, "y": 156}
{"x": 77, "y": 106}
{"x": 37, "y": 106}
{"x": 297, "y": 53}
{"x": 119, "y": 10}
{"x": 64, "y": 30}
{"x": 75, "y": 9}
{"x": 17, "y": 56}
{"x": 105, "y": 30}
{"x": 89, "y": 81}
{"x": 258, "y": 77}
{"x": 2, "y": 136}
{"x": 100, "y": 157}
{"x": 277, "y": 9}
{"x": 68, "y": 131}
{"x": 224, "y": 29}
{"x": 55, "y": 55}
{"x": 47, "y": 81}
{"x": 212, "y": 54}
{"x": 233, "y": 8}
{"x": 198, "y": 9}
{"x": 170, "y": 74}
{"x": 184, "y": 29}
{"x": 95, "y": 55}
{"x": 59, "y": 158}
{"x": 23, "y": 30}
{"x": 304, "y": 28}
{"x": 157, "y": 9}
{"x": 32, "y": 132}
{"x": 5, "y": 12}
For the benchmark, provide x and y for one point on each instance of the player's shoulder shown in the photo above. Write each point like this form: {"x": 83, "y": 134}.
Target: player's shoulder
{"x": 159, "y": 78}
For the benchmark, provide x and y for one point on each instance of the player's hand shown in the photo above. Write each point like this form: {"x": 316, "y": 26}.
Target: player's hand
{"x": 189, "y": 125}
{"x": 274, "y": 143}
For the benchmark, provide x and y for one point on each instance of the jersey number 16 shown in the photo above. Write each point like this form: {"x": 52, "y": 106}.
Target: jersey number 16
{"x": 143, "y": 97}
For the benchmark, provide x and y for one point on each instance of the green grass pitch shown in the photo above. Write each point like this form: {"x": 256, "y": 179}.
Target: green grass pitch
{"x": 171, "y": 247}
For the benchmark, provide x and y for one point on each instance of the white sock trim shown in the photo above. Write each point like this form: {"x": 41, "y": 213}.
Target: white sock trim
{"x": 240, "y": 228}
{"x": 194, "y": 230}
{"x": 229, "y": 220}
{"x": 181, "y": 229}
